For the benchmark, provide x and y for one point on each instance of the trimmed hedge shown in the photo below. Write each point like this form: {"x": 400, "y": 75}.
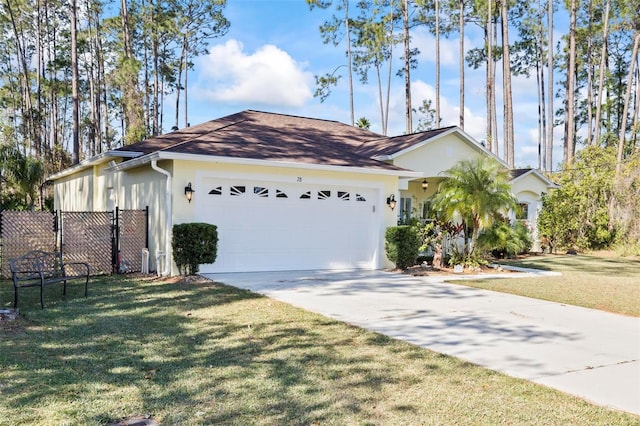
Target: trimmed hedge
{"x": 402, "y": 245}
{"x": 194, "y": 244}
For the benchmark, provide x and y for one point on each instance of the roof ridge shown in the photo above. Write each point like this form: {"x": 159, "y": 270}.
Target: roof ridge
{"x": 202, "y": 134}
{"x": 438, "y": 130}
{"x": 314, "y": 119}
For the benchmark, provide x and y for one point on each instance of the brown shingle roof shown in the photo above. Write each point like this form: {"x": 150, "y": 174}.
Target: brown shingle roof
{"x": 392, "y": 145}
{"x": 268, "y": 136}
{"x": 515, "y": 173}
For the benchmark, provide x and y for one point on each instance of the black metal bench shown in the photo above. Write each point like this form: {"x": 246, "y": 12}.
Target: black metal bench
{"x": 40, "y": 268}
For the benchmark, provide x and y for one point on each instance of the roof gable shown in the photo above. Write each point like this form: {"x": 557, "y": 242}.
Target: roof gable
{"x": 400, "y": 145}
{"x": 520, "y": 174}
{"x": 389, "y": 147}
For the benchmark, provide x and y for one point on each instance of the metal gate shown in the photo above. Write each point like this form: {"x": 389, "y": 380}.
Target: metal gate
{"x": 86, "y": 237}
{"x": 130, "y": 235}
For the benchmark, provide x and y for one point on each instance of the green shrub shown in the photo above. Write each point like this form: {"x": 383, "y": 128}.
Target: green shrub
{"x": 503, "y": 240}
{"x": 402, "y": 245}
{"x": 194, "y": 244}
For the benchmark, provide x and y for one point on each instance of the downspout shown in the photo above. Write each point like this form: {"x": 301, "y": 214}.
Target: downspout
{"x": 167, "y": 262}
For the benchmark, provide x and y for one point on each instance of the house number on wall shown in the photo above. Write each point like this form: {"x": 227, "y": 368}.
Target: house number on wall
{"x": 299, "y": 179}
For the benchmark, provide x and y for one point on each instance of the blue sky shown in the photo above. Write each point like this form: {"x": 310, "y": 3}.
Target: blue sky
{"x": 268, "y": 59}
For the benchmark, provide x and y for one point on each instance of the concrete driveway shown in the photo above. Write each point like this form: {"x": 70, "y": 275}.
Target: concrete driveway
{"x": 591, "y": 354}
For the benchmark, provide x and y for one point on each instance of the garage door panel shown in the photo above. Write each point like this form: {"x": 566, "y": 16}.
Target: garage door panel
{"x": 261, "y": 231}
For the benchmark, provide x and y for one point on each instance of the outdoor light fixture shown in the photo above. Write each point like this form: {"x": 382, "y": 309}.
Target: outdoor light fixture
{"x": 425, "y": 185}
{"x": 391, "y": 201}
{"x": 188, "y": 192}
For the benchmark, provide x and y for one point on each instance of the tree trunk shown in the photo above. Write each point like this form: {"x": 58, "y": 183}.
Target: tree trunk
{"x": 550, "y": 94}
{"x": 461, "y": 63}
{"x": 179, "y": 80}
{"x": 437, "y": 13}
{"x": 491, "y": 146}
{"x": 541, "y": 118}
{"x": 407, "y": 68}
{"x": 636, "y": 110}
{"x": 186, "y": 83}
{"x": 386, "y": 110}
{"x": 126, "y": 38}
{"x": 380, "y": 101}
{"x": 569, "y": 133}
{"x": 349, "y": 60}
{"x": 589, "y": 82}
{"x": 508, "y": 98}
{"x": 39, "y": 75}
{"x": 100, "y": 89}
{"x": 75, "y": 126}
{"x": 603, "y": 59}
{"x": 156, "y": 70}
{"x": 494, "y": 109}
{"x": 145, "y": 60}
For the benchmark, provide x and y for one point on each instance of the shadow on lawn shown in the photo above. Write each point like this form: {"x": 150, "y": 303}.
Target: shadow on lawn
{"x": 166, "y": 345}
{"x": 595, "y": 265}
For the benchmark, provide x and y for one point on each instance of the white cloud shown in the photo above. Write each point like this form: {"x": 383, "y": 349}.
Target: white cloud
{"x": 426, "y": 43}
{"x": 268, "y": 76}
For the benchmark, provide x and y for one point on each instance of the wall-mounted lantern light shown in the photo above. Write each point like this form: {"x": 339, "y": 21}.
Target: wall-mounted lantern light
{"x": 391, "y": 201}
{"x": 188, "y": 192}
{"x": 425, "y": 185}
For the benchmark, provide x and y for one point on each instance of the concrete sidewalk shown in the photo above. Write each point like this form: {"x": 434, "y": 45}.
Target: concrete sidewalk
{"x": 591, "y": 354}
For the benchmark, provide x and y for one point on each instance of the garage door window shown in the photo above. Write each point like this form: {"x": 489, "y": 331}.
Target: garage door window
{"x": 323, "y": 195}
{"x": 261, "y": 191}
{"x": 238, "y": 190}
{"x": 265, "y": 192}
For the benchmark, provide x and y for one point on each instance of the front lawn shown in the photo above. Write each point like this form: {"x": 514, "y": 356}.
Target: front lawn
{"x": 203, "y": 353}
{"x": 606, "y": 283}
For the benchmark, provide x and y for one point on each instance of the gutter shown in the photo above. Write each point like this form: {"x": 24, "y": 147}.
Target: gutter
{"x": 161, "y": 155}
{"x": 168, "y": 213}
{"x": 89, "y": 162}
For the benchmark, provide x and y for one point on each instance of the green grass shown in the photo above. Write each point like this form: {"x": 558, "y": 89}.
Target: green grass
{"x": 205, "y": 353}
{"x": 605, "y": 283}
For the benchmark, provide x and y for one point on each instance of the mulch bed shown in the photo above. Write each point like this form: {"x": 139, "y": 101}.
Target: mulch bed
{"x": 429, "y": 270}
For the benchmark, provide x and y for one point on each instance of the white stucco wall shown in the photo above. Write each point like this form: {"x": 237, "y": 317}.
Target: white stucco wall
{"x": 433, "y": 159}
{"x": 528, "y": 189}
{"x": 96, "y": 189}
{"x": 438, "y": 155}
{"x": 75, "y": 193}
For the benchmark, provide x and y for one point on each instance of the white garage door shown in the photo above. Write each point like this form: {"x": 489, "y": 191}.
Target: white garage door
{"x": 282, "y": 226}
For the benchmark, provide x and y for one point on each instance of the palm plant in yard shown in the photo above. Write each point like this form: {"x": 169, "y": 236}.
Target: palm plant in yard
{"x": 475, "y": 193}
{"x": 23, "y": 174}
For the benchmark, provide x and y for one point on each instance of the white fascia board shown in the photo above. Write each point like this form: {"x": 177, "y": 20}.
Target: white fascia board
{"x": 90, "y": 162}
{"x": 163, "y": 155}
{"x": 464, "y": 136}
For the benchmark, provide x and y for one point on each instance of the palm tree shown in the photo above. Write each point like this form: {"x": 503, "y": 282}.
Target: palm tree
{"x": 474, "y": 193}
{"x": 25, "y": 174}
